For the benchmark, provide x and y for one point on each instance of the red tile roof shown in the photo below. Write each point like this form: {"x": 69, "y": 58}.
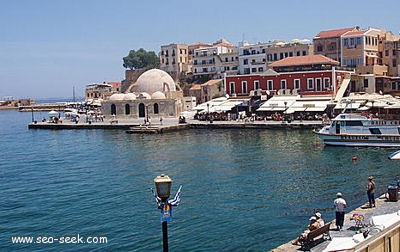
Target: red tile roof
{"x": 304, "y": 60}
{"x": 352, "y": 33}
{"x": 334, "y": 33}
{"x": 211, "y": 82}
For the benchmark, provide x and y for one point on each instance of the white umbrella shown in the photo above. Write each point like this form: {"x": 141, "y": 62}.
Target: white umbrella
{"x": 53, "y": 112}
{"x": 394, "y": 156}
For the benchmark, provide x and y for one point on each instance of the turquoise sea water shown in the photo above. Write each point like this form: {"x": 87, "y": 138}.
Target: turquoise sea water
{"x": 243, "y": 190}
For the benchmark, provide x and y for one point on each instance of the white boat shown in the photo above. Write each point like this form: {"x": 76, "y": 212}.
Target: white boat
{"x": 358, "y": 130}
{"x": 394, "y": 155}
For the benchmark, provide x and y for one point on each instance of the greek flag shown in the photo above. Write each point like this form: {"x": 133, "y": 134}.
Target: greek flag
{"x": 177, "y": 199}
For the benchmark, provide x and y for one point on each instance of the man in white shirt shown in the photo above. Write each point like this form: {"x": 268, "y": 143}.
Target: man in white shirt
{"x": 339, "y": 204}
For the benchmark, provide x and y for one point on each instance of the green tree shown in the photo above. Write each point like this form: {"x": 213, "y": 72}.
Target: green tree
{"x": 141, "y": 59}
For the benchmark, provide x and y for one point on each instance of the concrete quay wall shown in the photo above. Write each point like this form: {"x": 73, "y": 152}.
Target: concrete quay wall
{"x": 171, "y": 124}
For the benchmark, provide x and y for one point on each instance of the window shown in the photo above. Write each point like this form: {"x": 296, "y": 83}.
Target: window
{"x": 327, "y": 83}
{"x": 244, "y": 87}
{"x": 256, "y": 84}
{"x": 113, "y": 109}
{"x": 270, "y": 85}
{"x": 365, "y": 83}
{"x": 127, "y": 109}
{"x": 253, "y": 70}
{"x": 155, "y": 108}
{"x": 346, "y": 42}
{"x": 232, "y": 87}
{"x": 260, "y": 69}
{"x": 296, "y": 84}
{"x": 245, "y": 62}
{"x": 394, "y": 86}
{"x": 320, "y": 48}
{"x": 283, "y": 84}
{"x": 318, "y": 84}
{"x": 310, "y": 83}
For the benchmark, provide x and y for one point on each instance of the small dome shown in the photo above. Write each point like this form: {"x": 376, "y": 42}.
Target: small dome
{"x": 117, "y": 97}
{"x": 129, "y": 96}
{"x": 158, "y": 95}
{"x": 154, "y": 80}
{"x": 144, "y": 95}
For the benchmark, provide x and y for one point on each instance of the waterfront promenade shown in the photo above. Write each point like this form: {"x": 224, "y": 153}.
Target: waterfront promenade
{"x": 383, "y": 207}
{"x": 171, "y": 124}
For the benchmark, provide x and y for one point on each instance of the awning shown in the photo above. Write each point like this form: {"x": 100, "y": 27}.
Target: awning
{"x": 219, "y": 105}
{"x": 278, "y": 103}
{"x": 312, "y": 106}
{"x": 348, "y": 105}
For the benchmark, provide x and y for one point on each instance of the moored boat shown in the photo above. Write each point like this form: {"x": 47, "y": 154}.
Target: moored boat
{"x": 362, "y": 131}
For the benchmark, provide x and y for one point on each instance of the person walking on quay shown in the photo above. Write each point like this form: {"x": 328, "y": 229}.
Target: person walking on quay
{"x": 340, "y": 204}
{"x": 371, "y": 191}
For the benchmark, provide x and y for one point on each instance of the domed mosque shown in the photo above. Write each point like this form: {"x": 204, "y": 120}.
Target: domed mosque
{"x": 154, "y": 94}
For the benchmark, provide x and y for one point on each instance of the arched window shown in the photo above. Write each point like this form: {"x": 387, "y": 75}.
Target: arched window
{"x": 113, "y": 109}
{"x": 155, "y": 108}
{"x": 142, "y": 112}
{"x": 127, "y": 109}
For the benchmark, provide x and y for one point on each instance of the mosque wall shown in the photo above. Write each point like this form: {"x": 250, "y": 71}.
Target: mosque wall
{"x": 142, "y": 108}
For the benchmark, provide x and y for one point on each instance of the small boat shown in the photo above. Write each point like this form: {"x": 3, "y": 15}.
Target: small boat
{"x": 394, "y": 155}
{"x": 360, "y": 131}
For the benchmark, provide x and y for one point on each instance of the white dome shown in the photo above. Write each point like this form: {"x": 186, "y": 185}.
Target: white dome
{"x": 129, "y": 96}
{"x": 117, "y": 97}
{"x": 158, "y": 95}
{"x": 154, "y": 80}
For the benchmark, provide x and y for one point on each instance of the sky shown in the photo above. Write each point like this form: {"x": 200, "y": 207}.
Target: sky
{"x": 49, "y": 48}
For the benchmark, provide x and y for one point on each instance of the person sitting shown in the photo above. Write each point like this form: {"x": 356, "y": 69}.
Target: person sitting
{"x": 319, "y": 219}
{"x": 314, "y": 224}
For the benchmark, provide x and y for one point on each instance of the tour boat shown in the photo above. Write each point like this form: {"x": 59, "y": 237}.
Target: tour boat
{"x": 362, "y": 131}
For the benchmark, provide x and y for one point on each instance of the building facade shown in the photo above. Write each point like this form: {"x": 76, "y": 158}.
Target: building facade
{"x": 102, "y": 90}
{"x": 313, "y": 74}
{"x": 207, "y": 60}
{"x": 328, "y": 43}
{"x": 174, "y": 59}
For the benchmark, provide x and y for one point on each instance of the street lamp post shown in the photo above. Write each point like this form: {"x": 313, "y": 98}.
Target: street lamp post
{"x": 147, "y": 113}
{"x": 163, "y": 190}
{"x": 208, "y": 111}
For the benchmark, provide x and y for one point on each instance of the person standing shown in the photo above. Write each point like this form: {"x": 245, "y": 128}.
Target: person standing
{"x": 340, "y": 204}
{"x": 371, "y": 191}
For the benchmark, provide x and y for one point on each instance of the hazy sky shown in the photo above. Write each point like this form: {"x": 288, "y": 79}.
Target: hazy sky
{"x": 48, "y": 47}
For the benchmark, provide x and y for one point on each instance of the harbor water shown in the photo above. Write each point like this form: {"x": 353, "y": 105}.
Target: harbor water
{"x": 243, "y": 190}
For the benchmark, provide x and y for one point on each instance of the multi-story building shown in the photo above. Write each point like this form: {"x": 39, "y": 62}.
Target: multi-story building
{"x": 102, "y": 91}
{"x": 192, "y": 48}
{"x": 207, "y": 60}
{"x": 328, "y": 43}
{"x": 391, "y": 54}
{"x": 361, "y": 47}
{"x": 174, "y": 59}
{"x": 283, "y": 50}
{"x": 252, "y": 57}
{"x": 228, "y": 63}
{"x": 312, "y": 74}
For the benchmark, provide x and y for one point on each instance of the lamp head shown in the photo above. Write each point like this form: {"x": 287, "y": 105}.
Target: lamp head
{"x": 163, "y": 186}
